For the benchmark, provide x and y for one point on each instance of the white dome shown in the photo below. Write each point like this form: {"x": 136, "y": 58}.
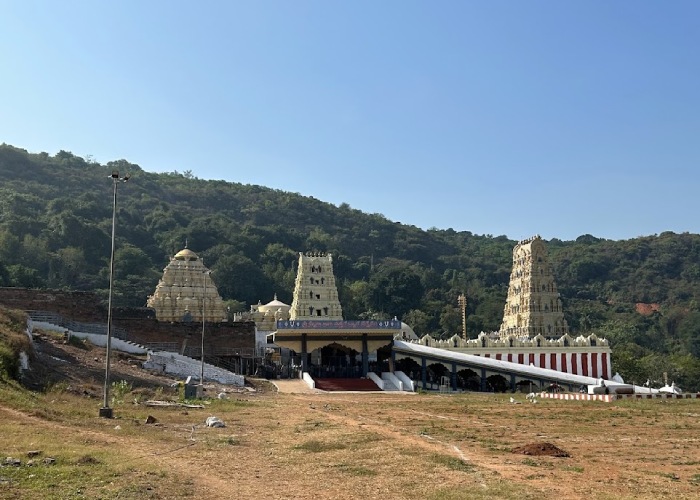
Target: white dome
{"x": 274, "y": 305}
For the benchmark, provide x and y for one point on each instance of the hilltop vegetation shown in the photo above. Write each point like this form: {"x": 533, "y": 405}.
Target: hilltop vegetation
{"x": 55, "y": 227}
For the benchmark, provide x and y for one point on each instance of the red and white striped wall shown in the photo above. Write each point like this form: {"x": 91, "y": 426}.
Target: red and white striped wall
{"x": 578, "y": 397}
{"x": 588, "y": 364}
{"x": 612, "y": 397}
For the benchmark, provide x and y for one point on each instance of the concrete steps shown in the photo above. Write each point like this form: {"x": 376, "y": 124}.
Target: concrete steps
{"x": 345, "y": 384}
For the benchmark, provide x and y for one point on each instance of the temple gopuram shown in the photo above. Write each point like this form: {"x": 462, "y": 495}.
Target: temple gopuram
{"x": 533, "y": 331}
{"x": 324, "y": 343}
{"x": 533, "y": 306}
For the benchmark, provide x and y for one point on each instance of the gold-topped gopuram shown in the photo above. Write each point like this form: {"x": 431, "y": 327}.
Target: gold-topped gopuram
{"x": 533, "y": 306}
{"x": 316, "y": 330}
{"x": 182, "y": 289}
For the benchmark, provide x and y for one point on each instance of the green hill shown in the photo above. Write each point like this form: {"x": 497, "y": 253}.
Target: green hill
{"x": 55, "y": 227}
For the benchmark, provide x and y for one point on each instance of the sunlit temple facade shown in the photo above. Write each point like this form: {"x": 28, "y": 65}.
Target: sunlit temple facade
{"x": 187, "y": 292}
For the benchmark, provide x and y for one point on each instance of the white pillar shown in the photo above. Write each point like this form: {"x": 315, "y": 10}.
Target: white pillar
{"x": 579, "y": 369}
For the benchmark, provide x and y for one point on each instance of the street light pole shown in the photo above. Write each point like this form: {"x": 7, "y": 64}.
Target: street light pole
{"x": 106, "y": 411}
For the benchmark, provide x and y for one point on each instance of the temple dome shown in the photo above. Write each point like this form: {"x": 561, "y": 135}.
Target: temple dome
{"x": 187, "y": 292}
{"x": 186, "y": 254}
{"x": 274, "y": 306}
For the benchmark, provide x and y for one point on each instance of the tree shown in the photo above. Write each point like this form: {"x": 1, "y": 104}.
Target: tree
{"x": 450, "y": 321}
{"x": 395, "y": 291}
{"x": 237, "y": 277}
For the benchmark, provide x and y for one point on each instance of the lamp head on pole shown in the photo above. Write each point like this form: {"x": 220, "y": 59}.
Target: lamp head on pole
{"x": 115, "y": 176}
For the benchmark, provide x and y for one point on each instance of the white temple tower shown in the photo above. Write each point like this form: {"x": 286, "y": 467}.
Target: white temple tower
{"x": 181, "y": 290}
{"x": 533, "y": 305}
{"x": 315, "y": 292}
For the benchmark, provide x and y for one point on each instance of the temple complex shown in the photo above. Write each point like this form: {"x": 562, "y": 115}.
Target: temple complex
{"x": 186, "y": 291}
{"x": 310, "y": 337}
{"x": 533, "y": 306}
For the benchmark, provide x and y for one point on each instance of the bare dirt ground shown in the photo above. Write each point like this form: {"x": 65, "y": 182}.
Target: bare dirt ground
{"x": 335, "y": 445}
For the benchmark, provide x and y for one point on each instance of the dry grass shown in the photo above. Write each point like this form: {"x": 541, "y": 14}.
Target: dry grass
{"x": 349, "y": 446}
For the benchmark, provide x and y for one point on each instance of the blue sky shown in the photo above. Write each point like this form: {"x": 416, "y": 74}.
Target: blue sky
{"x": 498, "y": 117}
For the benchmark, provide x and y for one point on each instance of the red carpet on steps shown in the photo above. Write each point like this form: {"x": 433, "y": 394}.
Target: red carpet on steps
{"x": 345, "y": 384}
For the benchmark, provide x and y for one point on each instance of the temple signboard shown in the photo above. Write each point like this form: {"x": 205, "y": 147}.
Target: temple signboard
{"x": 392, "y": 324}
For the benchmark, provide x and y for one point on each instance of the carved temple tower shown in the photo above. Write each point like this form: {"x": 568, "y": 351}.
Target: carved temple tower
{"x": 315, "y": 292}
{"x": 533, "y": 305}
{"x": 185, "y": 284}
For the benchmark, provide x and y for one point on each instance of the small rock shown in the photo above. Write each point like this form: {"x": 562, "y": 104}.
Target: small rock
{"x": 118, "y": 428}
{"x": 14, "y": 462}
{"x": 30, "y": 463}
{"x": 49, "y": 461}
{"x": 34, "y": 453}
{"x": 222, "y": 395}
{"x": 215, "y": 422}
{"x": 151, "y": 419}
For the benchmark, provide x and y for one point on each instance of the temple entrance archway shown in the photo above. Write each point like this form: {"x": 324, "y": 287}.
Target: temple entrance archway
{"x": 497, "y": 383}
{"x": 410, "y": 367}
{"x": 468, "y": 380}
{"x": 435, "y": 373}
{"x": 336, "y": 361}
{"x": 527, "y": 386}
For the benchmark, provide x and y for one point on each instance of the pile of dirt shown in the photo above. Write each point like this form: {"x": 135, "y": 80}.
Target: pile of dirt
{"x": 541, "y": 450}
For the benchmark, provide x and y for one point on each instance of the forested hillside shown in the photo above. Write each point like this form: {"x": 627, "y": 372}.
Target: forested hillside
{"x": 55, "y": 227}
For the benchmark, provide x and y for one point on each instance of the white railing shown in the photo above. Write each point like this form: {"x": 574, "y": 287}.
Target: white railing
{"x": 408, "y": 384}
{"x": 392, "y": 380}
{"x": 309, "y": 381}
{"x": 375, "y": 378}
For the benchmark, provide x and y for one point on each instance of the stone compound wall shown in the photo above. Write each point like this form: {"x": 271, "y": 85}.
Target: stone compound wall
{"x": 588, "y": 356}
{"x": 78, "y": 306}
{"x": 221, "y": 339}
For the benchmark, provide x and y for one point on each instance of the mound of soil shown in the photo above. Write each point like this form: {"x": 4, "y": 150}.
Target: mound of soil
{"x": 541, "y": 450}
